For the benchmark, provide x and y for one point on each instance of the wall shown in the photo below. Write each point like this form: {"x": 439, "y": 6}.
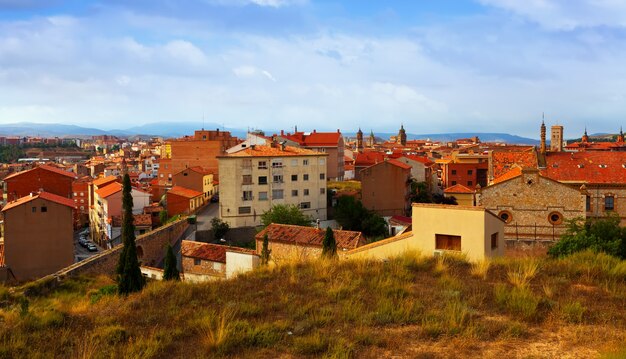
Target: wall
{"x": 38, "y": 243}
{"x": 206, "y": 267}
{"x": 37, "y": 179}
{"x": 385, "y": 189}
{"x": 152, "y": 245}
{"x": 283, "y": 252}
{"x": 237, "y": 263}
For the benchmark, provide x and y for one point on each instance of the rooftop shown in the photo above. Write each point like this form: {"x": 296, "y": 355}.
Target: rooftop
{"x": 45, "y": 168}
{"x": 209, "y": 252}
{"x": 184, "y": 192}
{"x": 458, "y": 188}
{"x": 43, "y": 195}
{"x": 104, "y": 180}
{"x": 273, "y": 151}
{"x": 109, "y": 190}
{"x": 595, "y": 167}
{"x": 310, "y": 236}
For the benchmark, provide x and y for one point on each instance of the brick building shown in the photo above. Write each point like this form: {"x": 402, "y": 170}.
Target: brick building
{"x": 205, "y": 262}
{"x": 385, "y": 188}
{"x": 80, "y": 194}
{"x": 43, "y": 178}
{"x": 331, "y": 143}
{"x": 181, "y": 200}
{"x": 38, "y": 235}
{"x": 197, "y": 179}
{"x": 288, "y": 242}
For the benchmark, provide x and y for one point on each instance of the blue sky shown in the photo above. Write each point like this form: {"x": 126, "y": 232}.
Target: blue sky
{"x": 433, "y": 65}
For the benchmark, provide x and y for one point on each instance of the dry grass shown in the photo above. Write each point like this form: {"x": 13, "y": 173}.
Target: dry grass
{"x": 411, "y": 306}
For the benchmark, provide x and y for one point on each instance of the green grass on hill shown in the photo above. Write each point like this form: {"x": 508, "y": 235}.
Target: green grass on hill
{"x": 410, "y": 306}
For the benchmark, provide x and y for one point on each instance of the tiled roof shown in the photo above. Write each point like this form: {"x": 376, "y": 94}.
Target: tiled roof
{"x": 2, "y": 254}
{"x": 104, "y": 180}
{"x": 399, "y": 164}
{"x": 401, "y": 219}
{"x": 420, "y": 159}
{"x": 512, "y": 173}
{"x": 208, "y": 251}
{"x": 140, "y": 220}
{"x": 503, "y": 161}
{"x": 314, "y": 139}
{"x": 44, "y": 167}
{"x": 366, "y": 159}
{"x": 310, "y": 236}
{"x": 586, "y": 167}
{"x": 109, "y": 190}
{"x": 458, "y": 188}
{"x": 184, "y": 192}
{"x": 269, "y": 151}
{"x": 196, "y": 169}
{"x": 44, "y": 195}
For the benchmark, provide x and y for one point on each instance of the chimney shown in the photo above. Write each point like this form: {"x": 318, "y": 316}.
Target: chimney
{"x": 282, "y": 132}
{"x": 317, "y": 223}
{"x": 338, "y": 131}
{"x": 314, "y": 131}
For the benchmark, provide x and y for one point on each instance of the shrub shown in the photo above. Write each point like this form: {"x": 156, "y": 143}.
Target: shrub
{"x": 523, "y": 272}
{"x": 480, "y": 269}
{"x": 596, "y": 234}
{"x": 519, "y": 301}
{"x": 107, "y": 290}
{"x": 313, "y": 344}
{"x": 573, "y": 312}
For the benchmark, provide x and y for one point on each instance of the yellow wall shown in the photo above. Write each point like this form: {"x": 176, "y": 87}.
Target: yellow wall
{"x": 463, "y": 199}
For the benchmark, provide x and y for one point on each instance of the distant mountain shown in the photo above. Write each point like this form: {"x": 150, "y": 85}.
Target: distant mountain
{"x": 47, "y": 130}
{"x": 179, "y": 129}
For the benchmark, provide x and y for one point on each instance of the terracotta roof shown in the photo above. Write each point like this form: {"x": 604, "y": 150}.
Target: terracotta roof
{"x": 586, "y": 167}
{"x": 399, "y": 164}
{"x": 314, "y": 139}
{"x": 366, "y": 159}
{"x": 421, "y": 159}
{"x": 197, "y": 169}
{"x": 104, "y": 180}
{"x": 503, "y": 161}
{"x": 2, "y": 254}
{"x": 512, "y": 173}
{"x": 209, "y": 252}
{"x": 184, "y": 192}
{"x": 310, "y": 236}
{"x": 458, "y": 188}
{"x": 401, "y": 219}
{"x": 44, "y": 195}
{"x": 269, "y": 151}
{"x": 109, "y": 190}
{"x": 46, "y": 168}
{"x": 140, "y": 220}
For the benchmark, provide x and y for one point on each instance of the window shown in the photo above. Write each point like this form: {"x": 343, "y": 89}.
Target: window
{"x": 75, "y": 194}
{"x": 247, "y": 196}
{"x": 82, "y": 194}
{"x": 322, "y": 176}
{"x": 262, "y": 165}
{"x": 294, "y": 193}
{"x": 305, "y": 162}
{"x": 185, "y": 174}
{"x": 278, "y": 179}
{"x": 34, "y": 209}
{"x": 247, "y": 179}
{"x": 555, "y": 218}
{"x": 494, "y": 241}
{"x": 453, "y": 172}
{"x": 305, "y": 177}
{"x": 262, "y": 179}
{"x": 305, "y": 205}
{"x": 306, "y": 192}
{"x": 247, "y": 163}
{"x": 609, "y": 203}
{"x": 277, "y": 163}
{"x": 294, "y": 178}
{"x": 82, "y": 208}
{"x": 453, "y": 183}
{"x": 245, "y": 210}
{"x": 447, "y": 242}
{"x": 322, "y": 161}
{"x": 196, "y": 261}
{"x": 469, "y": 183}
{"x": 506, "y": 216}
{"x": 469, "y": 172}
{"x": 277, "y": 194}
{"x": 262, "y": 196}
{"x": 322, "y": 190}
{"x": 588, "y": 204}
{"x": 294, "y": 163}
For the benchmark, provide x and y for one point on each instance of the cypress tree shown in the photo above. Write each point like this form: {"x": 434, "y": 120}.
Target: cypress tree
{"x": 170, "y": 272}
{"x": 265, "y": 252}
{"x": 329, "y": 245}
{"x": 129, "y": 277}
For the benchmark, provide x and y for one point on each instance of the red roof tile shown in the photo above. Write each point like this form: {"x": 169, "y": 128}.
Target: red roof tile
{"x": 109, "y": 190}
{"x": 208, "y": 251}
{"x": 104, "y": 180}
{"x": 366, "y": 159}
{"x": 401, "y": 219}
{"x": 269, "y": 151}
{"x": 184, "y": 192}
{"x": 586, "y": 167}
{"x": 46, "y": 168}
{"x": 503, "y": 161}
{"x": 310, "y": 236}
{"x": 512, "y": 173}
{"x": 44, "y": 195}
{"x": 458, "y": 188}
{"x": 399, "y": 164}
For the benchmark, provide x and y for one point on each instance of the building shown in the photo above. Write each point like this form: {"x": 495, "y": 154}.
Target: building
{"x": 289, "y": 242}
{"x": 386, "y": 188}
{"x": 437, "y": 229}
{"x": 42, "y": 178}
{"x": 556, "y": 138}
{"x": 80, "y": 194}
{"x": 256, "y": 178}
{"x": 331, "y": 143}
{"x": 203, "y": 262}
{"x": 468, "y": 169}
{"x": 362, "y": 160}
{"x": 38, "y": 235}
{"x": 181, "y": 200}
{"x": 533, "y": 207}
{"x": 464, "y": 196}
{"x": 197, "y": 179}
{"x": 201, "y": 150}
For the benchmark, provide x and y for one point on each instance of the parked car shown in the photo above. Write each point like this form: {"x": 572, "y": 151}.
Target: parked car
{"x": 83, "y": 241}
{"x": 92, "y": 247}
{"x": 215, "y": 198}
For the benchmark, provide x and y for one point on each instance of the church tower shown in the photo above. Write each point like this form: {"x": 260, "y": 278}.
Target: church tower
{"x": 401, "y": 136}
{"x": 585, "y": 138}
{"x": 620, "y": 137}
{"x": 556, "y": 138}
{"x": 542, "y": 147}
{"x": 359, "y": 141}
{"x": 372, "y": 140}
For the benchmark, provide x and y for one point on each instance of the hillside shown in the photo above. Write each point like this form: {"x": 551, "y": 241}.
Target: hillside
{"x": 407, "y": 307}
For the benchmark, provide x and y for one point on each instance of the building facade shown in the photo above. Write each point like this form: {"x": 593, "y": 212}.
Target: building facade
{"x": 386, "y": 187}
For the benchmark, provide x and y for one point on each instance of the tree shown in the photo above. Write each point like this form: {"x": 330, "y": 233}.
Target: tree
{"x": 285, "y": 214}
{"x": 163, "y": 217}
{"x": 597, "y": 234}
{"x": 329, "y": 245}
{"x": 352, "y": 216}
{"x": 170, "y": 271}
{"x": 219, "y": 227}
{"x": 265, "y": 252}
{"x": 129, "y": 275}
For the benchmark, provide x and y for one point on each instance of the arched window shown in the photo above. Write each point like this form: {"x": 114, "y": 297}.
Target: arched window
{"x": 555, "y": 218}
{"x": 506, "y": 216}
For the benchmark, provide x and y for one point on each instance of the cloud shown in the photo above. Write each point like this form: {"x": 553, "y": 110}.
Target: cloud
{"x": 247, "y": 71}
{"x": 262, "y": 3}
{"x": 566, "y": 14}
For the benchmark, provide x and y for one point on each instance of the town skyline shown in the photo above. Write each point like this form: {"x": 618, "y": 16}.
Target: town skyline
{"x": 436, "y": 67}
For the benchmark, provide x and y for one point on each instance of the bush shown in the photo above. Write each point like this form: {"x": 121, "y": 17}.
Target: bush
{"x": 285, "y": 214}
{"x": 596, "y": 234}
{"x": 573, "y": 312}
{"x": 352, "y": 216}
{"x": 219, "y": 227}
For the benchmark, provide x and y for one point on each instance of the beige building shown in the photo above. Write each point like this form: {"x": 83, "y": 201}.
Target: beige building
{"x": 197, "y": 179}
{"x": 463, "y": 195}
{"x": 474, "y": 231}
{"x": 203, "y": 262}
{"x": 254, "y": 179}
{"x": 38, "y": 235}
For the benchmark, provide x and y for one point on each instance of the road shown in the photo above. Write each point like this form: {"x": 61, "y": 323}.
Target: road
{"x": 205, "y": 216}
{"x": 80, "y": 252}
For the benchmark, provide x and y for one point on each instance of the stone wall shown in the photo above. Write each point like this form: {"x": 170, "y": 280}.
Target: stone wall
{"x": 150, "y": 250}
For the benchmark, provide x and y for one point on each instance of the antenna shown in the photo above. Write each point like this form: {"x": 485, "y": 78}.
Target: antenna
{"x": 202, "y": 121}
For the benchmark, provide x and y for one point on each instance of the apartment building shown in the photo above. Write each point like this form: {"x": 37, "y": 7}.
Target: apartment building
{"x": 254, "y": 179}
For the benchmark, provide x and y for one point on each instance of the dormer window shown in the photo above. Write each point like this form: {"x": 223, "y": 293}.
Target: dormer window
{"x": 603, "y": 166}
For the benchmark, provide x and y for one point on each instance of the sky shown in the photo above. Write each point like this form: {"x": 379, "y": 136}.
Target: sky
{"x": 434, "y": 66}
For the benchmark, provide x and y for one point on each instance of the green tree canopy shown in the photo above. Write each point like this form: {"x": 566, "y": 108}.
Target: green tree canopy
{"x": 352, "y": 216}
{"x": 170, "y": 270}
{"x": 219, "y": 227}
{"x": 285, "y": 214}
{"x": 265, "y": 252}
{"x": 598, "y": 234}
{"x": 329, "y": 245}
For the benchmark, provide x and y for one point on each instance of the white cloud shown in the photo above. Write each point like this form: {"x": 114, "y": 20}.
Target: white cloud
{"x": 185, "y": 51}
{"x": 263, "y": 3}
{"x": 247, "y": 71}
